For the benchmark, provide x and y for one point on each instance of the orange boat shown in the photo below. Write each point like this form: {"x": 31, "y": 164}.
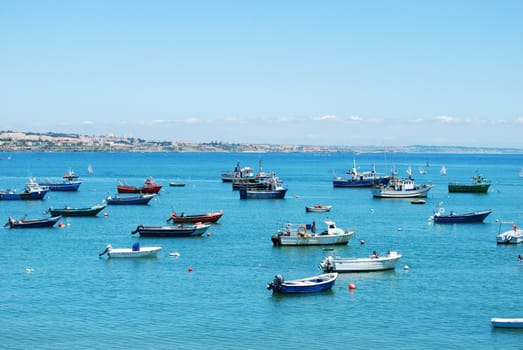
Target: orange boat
{"x": 150, "y": 186}
{"x": 207, "y": 217}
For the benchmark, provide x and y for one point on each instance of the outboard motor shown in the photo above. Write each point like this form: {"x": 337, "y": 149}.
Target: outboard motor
{"x": 276, "y": 282}
{"x": 328, "y": 264}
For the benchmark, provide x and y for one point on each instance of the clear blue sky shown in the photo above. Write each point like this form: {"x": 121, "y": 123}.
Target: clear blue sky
{"x": 443, "y": 72}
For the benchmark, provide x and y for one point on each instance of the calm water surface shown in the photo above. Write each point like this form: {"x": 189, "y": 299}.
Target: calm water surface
{"x": 458, "y": 278}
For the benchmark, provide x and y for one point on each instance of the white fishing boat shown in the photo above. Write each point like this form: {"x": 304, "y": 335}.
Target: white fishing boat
{"x": 135, "y": 252}
{"x": 374, "y": 262}
{"x": 306, "y": 235}
{"x": 507, "y": 322}
{"x": 401, "y": 188}
{"x": 514, "y": 236}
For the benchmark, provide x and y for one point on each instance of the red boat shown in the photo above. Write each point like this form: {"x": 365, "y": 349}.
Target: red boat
{"x": 149, "y": 187}
{"x": 207, "y": 217}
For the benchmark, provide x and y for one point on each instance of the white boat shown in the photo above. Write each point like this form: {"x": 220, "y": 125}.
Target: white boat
{"x": 507, "y": 322}
{"x": 374, "y": 262}
{"x": 513, "y": 236}
{"x": 401, "y": 188}
{"x": 318, "y": 208}
{"x": 305, "y": 235}
{"x": 443, "y": 171}
{"x": 135, "y": 252}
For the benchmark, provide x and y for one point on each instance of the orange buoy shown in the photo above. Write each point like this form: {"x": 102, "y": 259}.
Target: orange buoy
{"x": 352, "y": 286}
{"x": 189, "y": 269}
{"x": 60, "y": 225}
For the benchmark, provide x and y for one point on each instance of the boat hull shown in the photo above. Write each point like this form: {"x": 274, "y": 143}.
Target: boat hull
{"x": 48, "y": 222}
{"x": 339, "y": 182}
{"x": 420, "y": 192}
{"x": 307, "y": 285}
{"x": 171, "y": 231}
{"x": 207, "y": 217}
{"x": 462, "y": 188}
{"x": 311, "y": 240}
{"x": 507, "y": 322}
{"x": 467, "y": 218}
{"x": 65, "y": 186}
{"x": 247, "y": 193}
{"x": 318, "y": 208}
{"x": 77, "y": 212}
{"x": 134, "y": 189}
{"x": 369, "y": 264}
{"x": 125, "y": 253}
{"x": 130, "y": 200}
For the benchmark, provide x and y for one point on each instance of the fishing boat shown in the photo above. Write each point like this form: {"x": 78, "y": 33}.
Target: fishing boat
{"x": 68, "y": 211}
{"x": 506, "y": 322}
{"x": 305, "y": 285}
{"x": 238, "y": 173}
{"x": 181, "y": 230}
{"x": 24, "y": 223}
{"x": 361, "y": 179}
{"x": 479, "y": 184}
{"x": 318, "y": 208}
{"x": 135, "y": 252}
{"x": 401, "y": 188}
{"x": 440, "y": 217}
{"x": 176, "y": 184}
{"x": 374, "y": 262}
{"x": 514, "y": 236}
{"x": 32, "y": 191}
{"x": 150, "y": 186}
{"x": 305, "y": 235}
{"x": 272, "y": 189}
{"x": 69, "y": 182}
{"x": 194, "y": 218}
{"x": 141, "y": 199}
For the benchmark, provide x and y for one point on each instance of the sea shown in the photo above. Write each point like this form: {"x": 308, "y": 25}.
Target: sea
{"x": 210, "y": 292}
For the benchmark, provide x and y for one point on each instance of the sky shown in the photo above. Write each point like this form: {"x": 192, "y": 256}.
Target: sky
{"x": 351, "y": 73}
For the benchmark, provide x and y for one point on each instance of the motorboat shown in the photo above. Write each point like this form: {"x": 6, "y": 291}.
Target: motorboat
{"x": 373, "y": 262}
{"x": 305, "y": 285}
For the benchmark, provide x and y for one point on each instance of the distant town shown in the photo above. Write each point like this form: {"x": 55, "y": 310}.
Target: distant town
{"x": 14, "y": 141}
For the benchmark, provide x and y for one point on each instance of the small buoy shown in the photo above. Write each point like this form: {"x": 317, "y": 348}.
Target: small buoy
{"x": 60, "y": 224}
{"x": 174, "y": 254}
{"x": 352, "y": 286}
{"x": 362, "y": 242}
{"x": 297, "y": 197}
{"x": 372, "y": 211}
{"x": 106, "y": 214}
{"x": 399, "y": 229}
{"x": 29, "y": 270}
{"x": 406, "y": 267}
{"x": 189, "y": 269}
{"x": 208, "y": 234}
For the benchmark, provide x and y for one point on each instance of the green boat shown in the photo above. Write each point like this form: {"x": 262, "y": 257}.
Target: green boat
{"x": 479, "y": 184}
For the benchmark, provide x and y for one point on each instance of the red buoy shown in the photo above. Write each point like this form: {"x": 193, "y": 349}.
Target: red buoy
{"x": 189, "y": 269}
{"x": 352, "y": 286}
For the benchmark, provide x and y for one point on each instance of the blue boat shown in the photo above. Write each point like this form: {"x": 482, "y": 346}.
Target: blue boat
{"x": 23, "y": 223}
{"x": 361, "y": 179}
{"x": 273, "y": 189}
{"x": 454, "y": 218}
{"x": 65, "y": 185}
{"x": 141, "y": 199}
{"x": 306, "y": 285}
{"x": 32, "y": 190}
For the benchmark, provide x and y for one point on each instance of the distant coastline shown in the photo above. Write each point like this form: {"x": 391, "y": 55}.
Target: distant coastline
{"x": 15, "y": 141}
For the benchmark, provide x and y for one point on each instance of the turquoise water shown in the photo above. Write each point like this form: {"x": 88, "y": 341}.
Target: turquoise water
{"x": 458, "y": 278}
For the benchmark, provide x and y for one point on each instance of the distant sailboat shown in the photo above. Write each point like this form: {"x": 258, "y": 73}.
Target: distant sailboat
{"x": 90, "y": 169}
{"x": 443, "y": 171}
{"x": 521, "y": 173}
{"x": 409, "y": 171}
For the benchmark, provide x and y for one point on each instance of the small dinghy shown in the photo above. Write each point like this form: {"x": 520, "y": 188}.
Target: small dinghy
{"x": 306, "y": 285}
{"x": 135, "y": 252}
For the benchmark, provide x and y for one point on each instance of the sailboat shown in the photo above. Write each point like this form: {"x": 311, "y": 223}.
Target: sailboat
{"x": 443, "y": 171}
{"x": 90, "y": 169}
